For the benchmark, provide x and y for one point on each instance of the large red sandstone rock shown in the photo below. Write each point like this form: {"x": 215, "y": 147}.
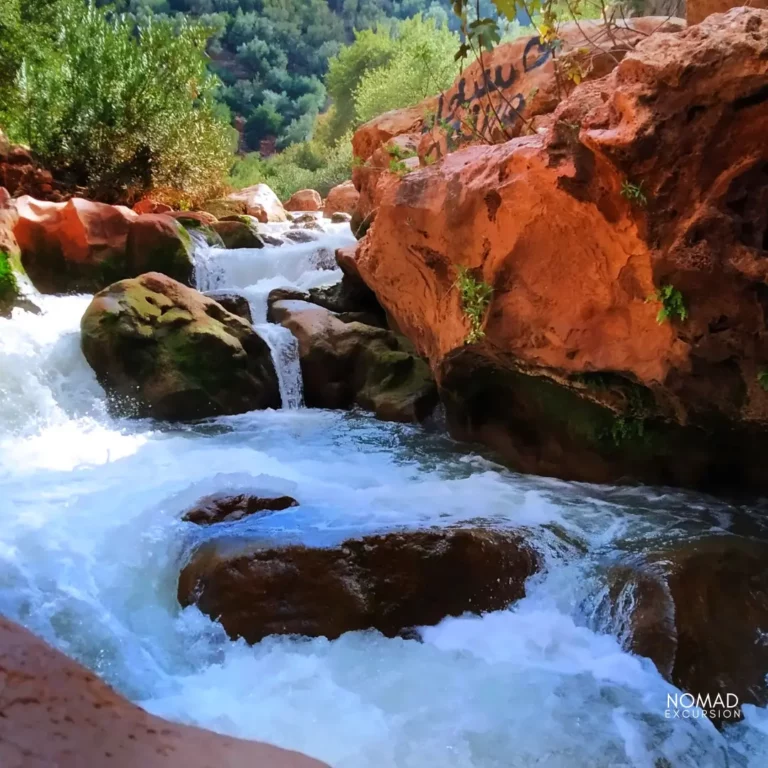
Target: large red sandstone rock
{"x": 575, "y": 376}
{"x": 304, "y": 200}
{"x": 698, "y": 10}
{"x": 54, "y": 713}
{"x": 82, "y": 245}
{"x": 389, "y": 582}
{"x": 8, "y": 218}
{"x": 341, "y": 199}
{"x": 524, "y": 90}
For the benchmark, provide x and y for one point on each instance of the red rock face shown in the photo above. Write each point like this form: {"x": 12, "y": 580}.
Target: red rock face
{"x": 83, "y": 245}
{"x": 304, "y": 200}
{"x": 57, "y": 714}
{"x": 698, "y": 10}
{"x": 8, "y": 219}
{"x": 341, "y": 199}
{"x": 655, "y": 175}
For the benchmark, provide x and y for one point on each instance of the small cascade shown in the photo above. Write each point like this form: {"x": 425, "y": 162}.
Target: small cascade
{"x": 255, "y": 272}
{"x": 285, "y": 355}
{"x": 208, "y": 275}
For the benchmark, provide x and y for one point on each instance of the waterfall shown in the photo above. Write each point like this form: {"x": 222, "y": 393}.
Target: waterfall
{"x": 254, "y": 272}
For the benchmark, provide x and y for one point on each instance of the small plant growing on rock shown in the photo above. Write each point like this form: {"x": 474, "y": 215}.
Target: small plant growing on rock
{"x": 672, "y": 304}
{"x": 475, "y": 299}
{"x": 762, "y": 378}
{"x": 627, "y": 428}
{"x": 634, "y": 193}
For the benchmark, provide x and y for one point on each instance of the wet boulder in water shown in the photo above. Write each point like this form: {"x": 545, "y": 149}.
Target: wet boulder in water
{"x": 346, "y": 364}
{"x": 390, "y": 582}
{"x": 162, "y": 349}
{"x": 700, "y": 613}
{"x": 223, "y": 508}
{"x": 58, "y": 714}
{"x": 300, "y": 236}
{"x": 235, "y": 303}
{"x": 304, "y": 200}
{"x": 238, "y": 234}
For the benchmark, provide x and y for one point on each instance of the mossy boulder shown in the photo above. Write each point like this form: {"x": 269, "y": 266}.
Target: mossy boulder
{"x": 347, "y": 364}
{"x": 164, "y": 350}
{"x": 223, "y": 207}
{"x": 238, "y": 233}
{"x": 194, "y": 224}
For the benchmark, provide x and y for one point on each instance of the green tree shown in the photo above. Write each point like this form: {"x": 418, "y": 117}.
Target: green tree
{"x": 423, "y": 63}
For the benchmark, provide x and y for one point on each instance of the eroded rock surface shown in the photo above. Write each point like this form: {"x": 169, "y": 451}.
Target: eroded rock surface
{"x": 341, "y": 199}
{"x": 304, "y": 200}
{"x": 164, "y": 350}
{"x": 390, "y": 582}
{"x": 223, "y": 508}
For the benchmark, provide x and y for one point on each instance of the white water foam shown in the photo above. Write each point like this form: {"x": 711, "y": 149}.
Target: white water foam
{"x": 92, "y": 543}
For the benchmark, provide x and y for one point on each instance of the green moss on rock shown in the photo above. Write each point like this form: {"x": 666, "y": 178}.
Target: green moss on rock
{"x": 9, "y": 287}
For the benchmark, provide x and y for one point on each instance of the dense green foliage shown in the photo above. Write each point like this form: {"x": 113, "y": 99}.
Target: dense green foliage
{"x": 9, "y": 288}
{"x": 112, "y": 105}
{"x": 395, "y": 65}
{"x": 272, "y": 55}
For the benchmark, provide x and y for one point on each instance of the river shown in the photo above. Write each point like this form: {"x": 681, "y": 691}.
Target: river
{"x": 91, "y": 545}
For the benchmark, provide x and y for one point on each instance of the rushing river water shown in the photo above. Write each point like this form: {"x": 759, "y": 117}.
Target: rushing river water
{"x": 91, "y": 544}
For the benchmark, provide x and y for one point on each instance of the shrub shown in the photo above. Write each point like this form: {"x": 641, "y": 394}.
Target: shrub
{"x": 421, "y": 64}
{"x": 117, "y": 107}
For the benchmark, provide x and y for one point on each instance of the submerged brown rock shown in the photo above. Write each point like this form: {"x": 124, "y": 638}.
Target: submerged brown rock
{"x": 54, "y": 713}
{"x": 389, "y": 582}
{"x": 650, "y": 184}
{"x": 223, "y": 508}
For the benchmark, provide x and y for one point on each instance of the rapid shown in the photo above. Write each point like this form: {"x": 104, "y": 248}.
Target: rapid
{"x": 92, "y": 542}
